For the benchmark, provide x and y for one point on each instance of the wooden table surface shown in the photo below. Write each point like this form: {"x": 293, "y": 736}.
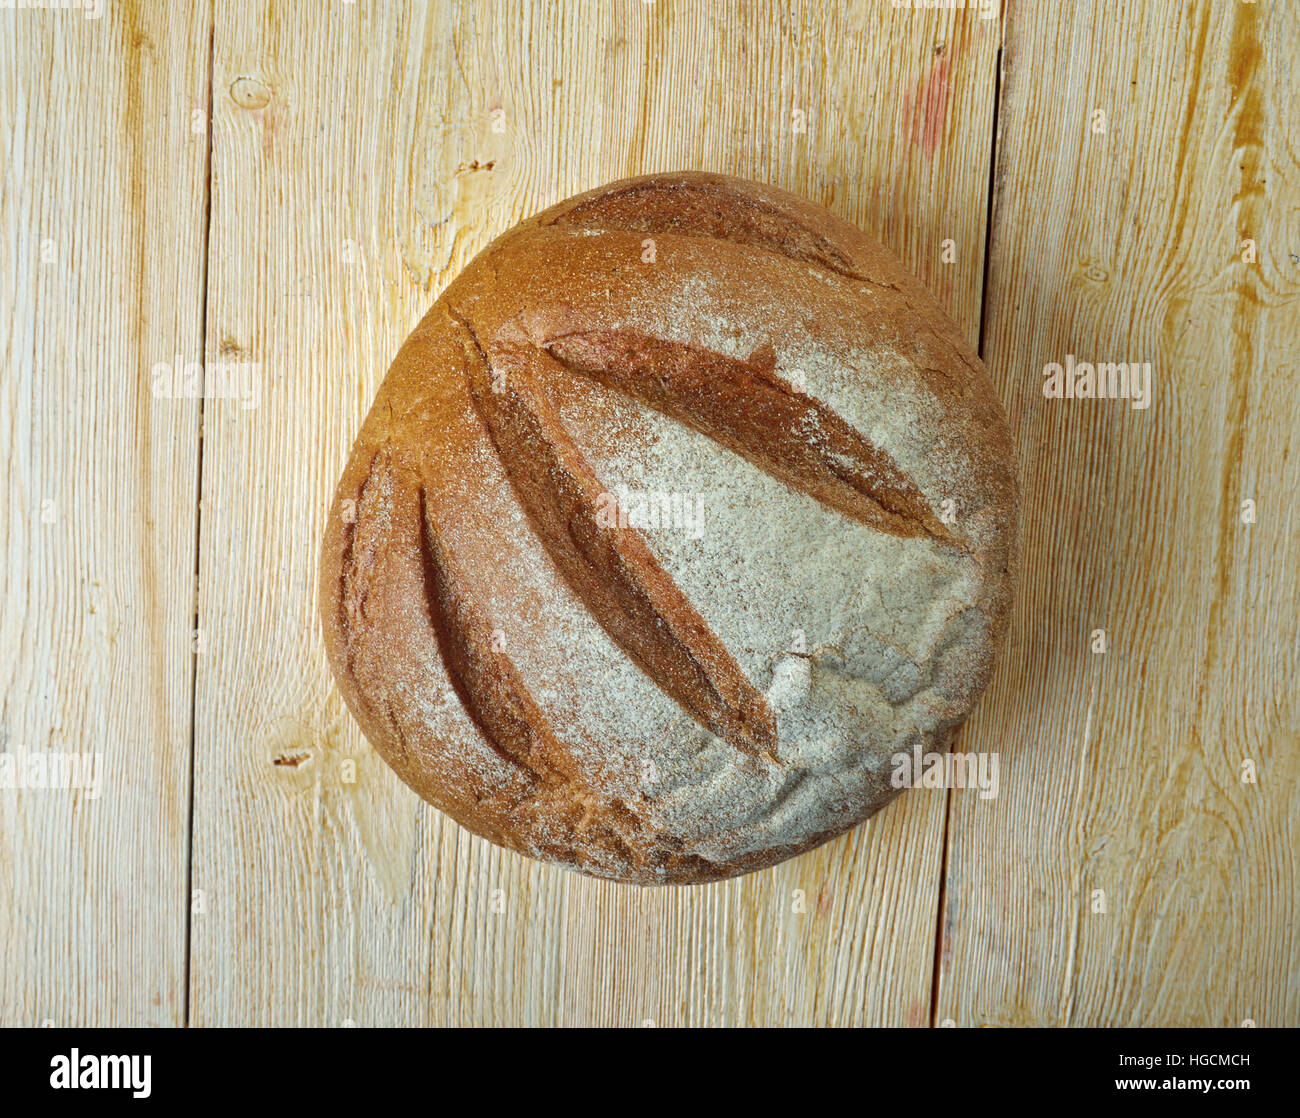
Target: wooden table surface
{"x": 283, "y": 189}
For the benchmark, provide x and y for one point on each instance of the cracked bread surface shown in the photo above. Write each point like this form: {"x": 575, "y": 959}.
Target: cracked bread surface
{"x": 636, "y": 697}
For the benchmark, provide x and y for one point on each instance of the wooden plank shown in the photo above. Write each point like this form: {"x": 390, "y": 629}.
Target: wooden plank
{"x": 102, "y": 224}
{"x": 1122, "y": 771}
{"x": 359, "y": 162}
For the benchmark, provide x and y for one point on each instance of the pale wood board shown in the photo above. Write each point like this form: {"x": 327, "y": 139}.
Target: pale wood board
{"x": 355, "y": 168}
{"x": 330, "y": 901}
{"x": 1122, "y": 771}
{"x": 101, "y": 235}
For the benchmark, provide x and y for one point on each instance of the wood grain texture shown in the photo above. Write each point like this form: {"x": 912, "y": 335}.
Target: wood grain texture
{"x": 362, "y": 155}
{"x": 1122, "y": 771}
{"x": 101, "y": 233}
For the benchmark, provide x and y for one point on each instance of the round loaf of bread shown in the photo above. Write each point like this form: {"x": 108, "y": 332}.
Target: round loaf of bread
{"x": 682, "y": 514}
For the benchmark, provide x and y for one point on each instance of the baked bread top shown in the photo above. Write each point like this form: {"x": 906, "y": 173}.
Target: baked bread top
{"x": 682, "y": 512}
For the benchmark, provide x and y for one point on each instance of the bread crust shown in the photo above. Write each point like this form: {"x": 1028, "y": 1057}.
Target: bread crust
{"x": 547, "y": 677}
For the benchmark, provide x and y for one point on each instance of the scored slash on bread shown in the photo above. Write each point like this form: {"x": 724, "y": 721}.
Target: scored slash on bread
{"x": 704, "y": 208}
{"x": 497, "y": 700}
{"x": 743, "y": 405}
{"x": 485, "y": 680}
{"x": 746, "y": 407}
{"x": 483, "y": 676}
{"x": 611, "y": 568}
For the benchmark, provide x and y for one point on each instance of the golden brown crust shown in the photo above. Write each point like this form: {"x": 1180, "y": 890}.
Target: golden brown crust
{"x": 470, "y": 523}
